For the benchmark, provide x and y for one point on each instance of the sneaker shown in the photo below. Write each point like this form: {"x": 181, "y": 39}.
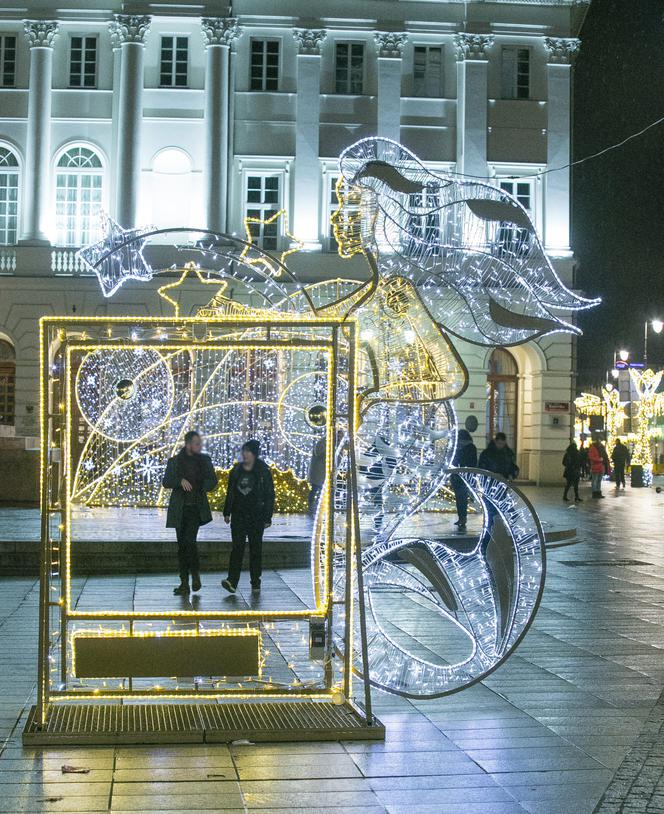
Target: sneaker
{"x": 461, "y": 528}
{"x": 182, "y": 589}
{"x": 195, "y": 582}
{"x": 228, "y": 585}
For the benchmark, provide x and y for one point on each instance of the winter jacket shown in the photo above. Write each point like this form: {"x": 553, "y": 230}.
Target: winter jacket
{"x": 620, "y": 455}
{"x": 317, "y": 463}
{"x": 264, "y": 488}
{"x": 172, "y": 480}
{"x": 571, "y": 463}
{"x": 465, "y": 455}
{"x": 501, "y": 461}
{"x": 597, "y": 460}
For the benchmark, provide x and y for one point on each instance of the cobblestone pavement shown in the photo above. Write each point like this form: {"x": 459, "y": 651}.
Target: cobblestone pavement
{"x": 545, "y": 734}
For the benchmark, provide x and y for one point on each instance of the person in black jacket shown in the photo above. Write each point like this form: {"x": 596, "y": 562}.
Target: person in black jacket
{"x": 620, "y": 458}
{"x": 499, "y": 458}
{"x": 248, "y": 508}
{"x": 465, "y": 455}
{"x": 190, "y": 474}
{"x": 572, "y": 471}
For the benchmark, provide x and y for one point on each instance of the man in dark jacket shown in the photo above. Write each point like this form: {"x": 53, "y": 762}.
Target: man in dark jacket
{"x": 248, "y": 508}
{"x": 465, "y": 455}
{"x": 499, "y": 458}
{"x": 190, "y": 474}
{"x": 620, "y": 458}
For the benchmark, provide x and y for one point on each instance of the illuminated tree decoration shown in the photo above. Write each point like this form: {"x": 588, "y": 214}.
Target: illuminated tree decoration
{"x": 609, "y": 406}
{"x": 649, "y": 405}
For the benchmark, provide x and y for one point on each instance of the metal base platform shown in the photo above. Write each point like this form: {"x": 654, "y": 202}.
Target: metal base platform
{"x": 96, "y": 724}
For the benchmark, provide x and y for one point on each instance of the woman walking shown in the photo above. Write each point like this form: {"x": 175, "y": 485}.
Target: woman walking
{"x": 572, "y": 471}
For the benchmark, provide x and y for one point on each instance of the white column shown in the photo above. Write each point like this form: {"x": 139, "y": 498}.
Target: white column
{"x": 561, "y": 53}
{"x": 116, "y": 45}
{"x": 472, "y": 103}
{"x": 218, "y": 33}
{"x": 40, "y": 36}
{"x": 306, "y": 210}
{"x": 132, "y": 30}
{"x": 389, "y": 47}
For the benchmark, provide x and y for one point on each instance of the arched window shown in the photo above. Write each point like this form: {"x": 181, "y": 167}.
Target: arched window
{"x": 8, "y": 196}
{"x": 171, "y": 188}
{"x": 7, "y": 383}
{"x": 78, "y": 196}
{"x": 502, "y": 396}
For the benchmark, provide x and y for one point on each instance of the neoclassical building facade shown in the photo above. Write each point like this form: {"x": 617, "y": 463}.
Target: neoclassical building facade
{"x": 178, "y": 115}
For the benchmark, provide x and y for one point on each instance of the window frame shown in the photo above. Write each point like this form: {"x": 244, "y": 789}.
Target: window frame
{"x": 264, "y": 78}
{"x": 15, "y": 170}
{"x": 262, "y": 209}
{"x": 513, "y": 92}
{"x": 172, "y": 81}
{"x": 3, "y": 47}
{"x": 427, "y": 47}
{"x": 350, "y": 44}
{"x": 80, "y": 84}
{"x": 101, "y": 171}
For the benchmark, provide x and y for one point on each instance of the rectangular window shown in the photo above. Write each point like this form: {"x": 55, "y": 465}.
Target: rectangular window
{"x": 7, "y": 60}
{"x": 83, "y": 62}
{"x": 349, "y": 68}
{"x": 511, "y": 238}
{"x": 262, "y": 202}
{"x": 428, "y": 71}
{"x": 8, "y": 206}
{"x": 174, "y": 62}
{"x": 516, "y": 73}
{"x": 424, "y": 223}
{"x": 264, "y": 65}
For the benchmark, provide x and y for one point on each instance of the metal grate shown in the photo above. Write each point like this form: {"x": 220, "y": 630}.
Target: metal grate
{"x": 85, "y": 724}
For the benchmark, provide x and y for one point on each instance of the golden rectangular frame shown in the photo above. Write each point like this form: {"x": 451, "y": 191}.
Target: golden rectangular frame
{"x": 198, "y": 332}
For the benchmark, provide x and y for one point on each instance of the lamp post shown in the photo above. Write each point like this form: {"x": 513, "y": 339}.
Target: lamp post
{"x": 657, "y": 326}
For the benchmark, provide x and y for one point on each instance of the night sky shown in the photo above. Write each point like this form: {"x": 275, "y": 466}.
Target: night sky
{"x": 618, "y": 199}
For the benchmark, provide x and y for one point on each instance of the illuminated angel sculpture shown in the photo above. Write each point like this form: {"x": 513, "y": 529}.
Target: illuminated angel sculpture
{"x": 444, "y": 258}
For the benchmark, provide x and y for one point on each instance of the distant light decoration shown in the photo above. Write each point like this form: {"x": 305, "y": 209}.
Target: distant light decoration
{"x": 444, "y": 258}
{"x": 608, "y": 406}
{"x": 649, "y": 405}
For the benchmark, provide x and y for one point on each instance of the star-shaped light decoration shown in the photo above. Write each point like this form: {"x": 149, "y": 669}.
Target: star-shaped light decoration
{"x": 114, "y": 262}
{"x": 187, "y": 269}
{"x": 263, "y": 261}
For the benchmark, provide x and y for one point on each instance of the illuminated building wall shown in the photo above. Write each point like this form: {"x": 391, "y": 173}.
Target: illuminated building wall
{"x": 172, "y": 120}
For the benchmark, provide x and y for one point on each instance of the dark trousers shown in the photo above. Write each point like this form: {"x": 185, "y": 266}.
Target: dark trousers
{"x": 246, "y": 530}
{"x": 314, "y": 497}
{"x": 619, "y": 472}
{"x": 187, "y": 548}
{"x": 461, "y": 499}
{"x": 571, "y": 483}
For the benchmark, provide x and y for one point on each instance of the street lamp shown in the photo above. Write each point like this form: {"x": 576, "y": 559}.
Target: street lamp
{"x": 624, "y": 355}
{"x": 657, "y": 326}
{"x": 615, "y": 373}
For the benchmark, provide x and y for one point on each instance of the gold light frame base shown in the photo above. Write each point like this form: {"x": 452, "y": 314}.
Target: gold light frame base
{"x": 108, "y": 724}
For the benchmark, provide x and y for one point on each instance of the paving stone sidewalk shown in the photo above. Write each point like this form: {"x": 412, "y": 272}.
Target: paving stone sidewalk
{"x": 578, "y": 703}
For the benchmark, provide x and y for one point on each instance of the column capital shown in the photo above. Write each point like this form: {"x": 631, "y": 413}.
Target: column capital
{"x": 131, "y": 28}
{"x": 472, "y": 46}
{"x": 220, "y": 30}
{"x": 309, "y": 40}
{"x": 390, "y": 44}
{"x": 561, "y": 50}
{"x": 114, "y": 33}
{"x": 40, "y": 33}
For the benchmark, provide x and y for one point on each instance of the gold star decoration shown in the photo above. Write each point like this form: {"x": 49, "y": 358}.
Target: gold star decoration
{"x": 186, "y": 271}
{"x": 295, "y": 244}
